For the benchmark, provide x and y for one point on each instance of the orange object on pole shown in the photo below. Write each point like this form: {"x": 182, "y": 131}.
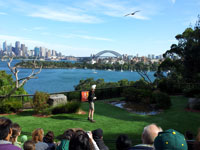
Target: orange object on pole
{"x": 84, "y": 96}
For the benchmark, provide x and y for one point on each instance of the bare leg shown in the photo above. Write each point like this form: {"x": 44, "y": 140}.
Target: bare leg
{"x": 89, "y": 114}
{"x": 92, "y": 113}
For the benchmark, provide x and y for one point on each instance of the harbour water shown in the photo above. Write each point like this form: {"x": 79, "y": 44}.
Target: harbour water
{"x": 60, "y": 80}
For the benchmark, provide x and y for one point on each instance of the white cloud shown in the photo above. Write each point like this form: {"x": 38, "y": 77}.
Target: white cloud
{"x": 86, "y": 37}
{"x": 3, "y": 13}
{"x": 64, "y": 16}
{"x": 173, "y": 1}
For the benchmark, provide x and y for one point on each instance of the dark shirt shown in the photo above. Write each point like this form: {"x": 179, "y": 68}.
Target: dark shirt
{"x": 91, "y": 96}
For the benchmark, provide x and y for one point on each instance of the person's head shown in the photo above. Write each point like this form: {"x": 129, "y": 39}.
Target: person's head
{"x": 49, "y": 137}
{"x": 37, "y": 135}
{"x": 68, "y": 134}
{"x": 23, "y": 139}
{"x": 16, "y": 131}
{"x": 93, "y": 87}
{"x": 29, "y": 145}
{"x": 123, "y": 142}
{"x": 170, "y": 140}
{"x": 150, "y": 132}
{"x": 97, "y": 134}
{"x": 80, "y": 141}
{"x": 198, "y": 136}
{"x": 5, "y": 128}
{"x": 188, "y": 135}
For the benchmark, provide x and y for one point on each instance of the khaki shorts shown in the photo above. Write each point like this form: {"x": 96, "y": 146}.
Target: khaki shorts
{"x": 91, "y": 105}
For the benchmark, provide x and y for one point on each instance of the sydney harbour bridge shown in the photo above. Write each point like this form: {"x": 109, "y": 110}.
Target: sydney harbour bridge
{"x": 107, "y": 51}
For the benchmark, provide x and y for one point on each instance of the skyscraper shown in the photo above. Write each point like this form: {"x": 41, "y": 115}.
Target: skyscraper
{"x": 17, "y": 48}
{"x": 37, "y": 51}
{"x": 5, "y": 46}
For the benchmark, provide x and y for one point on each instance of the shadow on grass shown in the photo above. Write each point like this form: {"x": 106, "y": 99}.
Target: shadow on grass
{"x": 26, "y": 113}
{"x": 61, "y": 117}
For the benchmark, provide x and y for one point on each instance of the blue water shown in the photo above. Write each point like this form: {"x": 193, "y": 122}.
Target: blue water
{"x": 60, "y": 80}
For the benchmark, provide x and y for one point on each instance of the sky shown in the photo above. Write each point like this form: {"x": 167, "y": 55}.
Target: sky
{"x": 84, "y": 27}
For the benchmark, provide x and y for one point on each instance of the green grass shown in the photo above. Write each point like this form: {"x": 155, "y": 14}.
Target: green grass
{"x": 113, "y": 121}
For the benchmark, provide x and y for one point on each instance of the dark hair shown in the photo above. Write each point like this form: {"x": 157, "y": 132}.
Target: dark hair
{"x": 49, "y": 137}
{"x": 123, "y": 142}
{"x": 79, "y": 141}
{"x": 5, "y": 126}
{"x": 68, "y": 134}
{"x": 16, "y": 129}
{"x": 29, "y": 145}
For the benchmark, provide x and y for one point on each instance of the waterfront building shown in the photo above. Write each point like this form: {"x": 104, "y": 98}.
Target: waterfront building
{"x": 37, "y": 51}
{"x": 17, "y": 48}
{"x": 5, "y": 46}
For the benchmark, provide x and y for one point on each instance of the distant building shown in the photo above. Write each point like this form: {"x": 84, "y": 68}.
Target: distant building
{"x": 37, "y": 51}
{"x": 42, "y": 52}
{"x": 5, "y": 46}
{"x": 17, "y": 48}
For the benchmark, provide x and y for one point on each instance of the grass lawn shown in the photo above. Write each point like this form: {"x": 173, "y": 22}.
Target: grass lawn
{"x": 113, "y": 121}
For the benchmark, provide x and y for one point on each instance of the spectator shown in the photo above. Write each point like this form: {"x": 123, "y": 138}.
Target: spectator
{"x": 23, "y": 139}
{"x": 80, "y": 141}
{"x": 170, "y": 140}
{"x": 197, "y": 141}
{"x": 98, "y": 138}
{"x": 150, "y": 132}
{"x": 29, "y": 145}
{"x": 49, "y": 139}
{"x": 37, "y": 137}
{"x": 66, "y": 137}
{"x": 92, "y": 141}
{"x": 5, "y": 134}
{"x": 123, "y": 142}
{"x": 16, "y": 131}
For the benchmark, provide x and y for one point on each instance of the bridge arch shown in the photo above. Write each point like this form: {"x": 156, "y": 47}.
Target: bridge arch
{"x": 108, "y": 51}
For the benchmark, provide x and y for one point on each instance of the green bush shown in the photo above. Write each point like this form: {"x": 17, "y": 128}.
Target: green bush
{"x": 191, "y": 92}
{"x": 73, "y": 95}
{"x": 135, "y": 95}
{"x": 40, "y": 102}
{"x": 169, "y": 86}
{"x": 10, "y": 106}
{"x": 69, "y": 107}
{"x": 141, "y": 84}
{"x": 161, "y": 100}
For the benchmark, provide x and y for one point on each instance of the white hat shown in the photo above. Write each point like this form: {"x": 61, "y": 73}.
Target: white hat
{"x": 93, "y": 86}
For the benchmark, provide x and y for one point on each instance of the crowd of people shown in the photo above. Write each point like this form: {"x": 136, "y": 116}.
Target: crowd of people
{"x": 153, "y": 138}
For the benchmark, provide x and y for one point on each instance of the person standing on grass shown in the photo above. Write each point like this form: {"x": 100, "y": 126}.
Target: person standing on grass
{"x": 91, "y": 99}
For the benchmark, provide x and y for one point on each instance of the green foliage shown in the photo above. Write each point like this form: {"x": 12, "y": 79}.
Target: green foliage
{"x": 169, "y": 86}
{"x": 69, "y": 107}
{"x": 141, "y": 84}
{"x": 161, "y": 100}
{"x": 182, "y": 60}
{"x": 9, "y": 106}
{"x": 40, "y": 102}
{"x": 100, "y": 65}
{"x": 7, "y": 84}
{"x": 73, "y": 95}
{"x": 139, "y": 96}
{"x": 192, "y": 92}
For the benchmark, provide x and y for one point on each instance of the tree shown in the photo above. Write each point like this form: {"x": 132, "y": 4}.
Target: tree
{"x": 18, "y": 83}
{"x": 182, "y": 59}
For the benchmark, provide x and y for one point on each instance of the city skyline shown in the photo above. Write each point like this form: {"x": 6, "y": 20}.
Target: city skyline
{"x": 81, "y": 28}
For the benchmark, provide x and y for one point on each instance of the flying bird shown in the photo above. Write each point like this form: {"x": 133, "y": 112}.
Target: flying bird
{"x": 133, "y": 13}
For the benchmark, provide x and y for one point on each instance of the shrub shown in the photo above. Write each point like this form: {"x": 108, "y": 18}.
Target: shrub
{"x": 10, "y": 106}
{"x": 40, "y": 102}
{"x": 134, "y": 95}
{"x": 69, "y": 107}
{"x": 169, "y": 86}
{"x": 192, "y": 92}
{"x": 73, "y": 95}
{"x": 141, "y": 84}
{"x": 162, "y": 100}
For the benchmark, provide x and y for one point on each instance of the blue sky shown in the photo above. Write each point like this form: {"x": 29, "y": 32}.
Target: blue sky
{"x": 84, "y": 27}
